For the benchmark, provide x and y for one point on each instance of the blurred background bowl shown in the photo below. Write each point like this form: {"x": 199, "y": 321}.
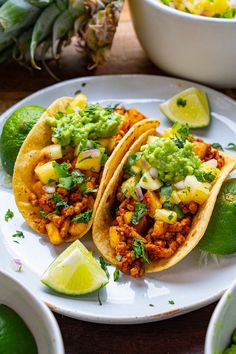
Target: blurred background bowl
{"x": 222, "y": 323}
{"x": 194, "y": 47}
{"x": 35, "y": 314}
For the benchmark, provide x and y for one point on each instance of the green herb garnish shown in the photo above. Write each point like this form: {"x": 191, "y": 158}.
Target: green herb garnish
{"x": 166, "y": 191}
{"x": 181, "y": 102}
{"x": 140, "y": 210}
{"x": 231, "y": 146}
{"x": 171, "y": 302}
{"x": 61, "y": 170}
{"x": 116, "y": 274}
{"x": 104, "y": 265}
{"x": 19, "y": 234}
{"x": 58, "y": 202}
{"x": 83, "y": 217}
{"x": 139, "y": 251}
{"x": 9, "y": 215}
{"x": 217, "y": 146}
{"x": 130, "y": 162}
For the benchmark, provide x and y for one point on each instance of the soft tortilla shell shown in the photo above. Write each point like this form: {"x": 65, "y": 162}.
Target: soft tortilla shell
{"x": 40, "y": 137}
{"x": 103, "y": 218}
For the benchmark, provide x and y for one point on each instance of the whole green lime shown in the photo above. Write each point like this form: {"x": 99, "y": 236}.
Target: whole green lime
{"x": 220, "y": 237}
{"x": 15, "y": 337}
{"x": 15, "y": 130}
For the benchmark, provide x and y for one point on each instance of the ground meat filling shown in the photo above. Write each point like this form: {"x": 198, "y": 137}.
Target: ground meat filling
{"x": 57, "y": 222}
{"x": 160, "y": 239}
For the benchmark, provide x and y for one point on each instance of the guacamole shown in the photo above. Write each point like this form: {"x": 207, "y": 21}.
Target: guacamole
{"x": 92, "y": 123}
{"x": 173, "y": 163}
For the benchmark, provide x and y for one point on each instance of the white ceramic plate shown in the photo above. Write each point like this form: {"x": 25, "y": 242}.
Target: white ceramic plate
{"x": 35, "y": 314}
{"x": 189, "y": 285}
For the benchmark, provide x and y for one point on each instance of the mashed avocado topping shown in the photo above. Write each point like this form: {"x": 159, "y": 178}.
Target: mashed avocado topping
{"x": 79, "y": 127}
{"x": 173, "y": 163}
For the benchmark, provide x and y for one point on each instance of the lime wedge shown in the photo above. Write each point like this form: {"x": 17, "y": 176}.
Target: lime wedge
{"x": 75, "y": 272}
{"x": 220, "y": 235}
{"x": 189, "y": 106}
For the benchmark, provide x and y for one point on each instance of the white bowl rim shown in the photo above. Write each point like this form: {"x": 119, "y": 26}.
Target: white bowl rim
{"x": 215, "y": 315}
{"x": 53, "y": 328}
{"x": 169, "y": 10}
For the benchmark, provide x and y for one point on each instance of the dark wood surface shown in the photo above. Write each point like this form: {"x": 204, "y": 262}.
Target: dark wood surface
{"x": 180, "y": 335}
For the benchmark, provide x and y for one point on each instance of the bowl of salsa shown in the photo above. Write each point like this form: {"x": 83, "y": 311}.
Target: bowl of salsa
{"x": 221, "y": 332}
{"x": 191, "y": 39}
{"x": 26, "y": 324}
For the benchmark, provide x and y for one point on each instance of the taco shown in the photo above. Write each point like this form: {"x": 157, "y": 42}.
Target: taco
{"x": 64, "y": 164}
{"x": 157, "y": 206}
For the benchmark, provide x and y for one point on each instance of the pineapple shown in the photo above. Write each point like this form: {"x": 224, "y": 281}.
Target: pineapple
{"x": 46, "y": 26}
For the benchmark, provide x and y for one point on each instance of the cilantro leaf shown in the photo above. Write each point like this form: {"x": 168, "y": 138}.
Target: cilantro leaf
{"x": 203, "y": 176}
{"x": 83, "y": 217}
{"x": 140, "y": 210}
{"x": 9, "y": 215}
{"x": 166, "y": 191}
{"x": 130, "y": 162}
{"x": 58, "y": 202}
{"x": 61, "y": 170}
{"x": 181, "y": 102}
{"x": 116, "y": 274}
{"x": 217, "y": 146}
{"x": 231, "y": 146}
{"x": 19, "y": 234}
{"x": 104, "y": 265}
{"x": 171, "y": 302}
{"x": 139, "y": 251}
{"x": 66, "y": 182}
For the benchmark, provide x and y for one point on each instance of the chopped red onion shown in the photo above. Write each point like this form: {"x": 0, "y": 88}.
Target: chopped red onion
{"x": 153, "y": 172}
{"x": 90, "y": 152}
{"x": 212, "y": 162}
{"x": 144, "y": 163}
{"x": 16, "y": 265}
{"x": 49, "y": 189}
{"x": 180, "y": 185}
{"x": 139, "y": 192}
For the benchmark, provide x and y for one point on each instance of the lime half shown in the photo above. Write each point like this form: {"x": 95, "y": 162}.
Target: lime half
{"x": 75, "y": 272}
{"x": 15, "y": 130}
{"x": 190, "y": 106}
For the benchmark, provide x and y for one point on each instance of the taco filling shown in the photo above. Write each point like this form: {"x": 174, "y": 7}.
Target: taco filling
{"x": 67, "y": 176}
{"x": 161, "y": 189}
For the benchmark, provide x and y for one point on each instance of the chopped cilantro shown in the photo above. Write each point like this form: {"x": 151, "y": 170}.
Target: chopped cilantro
{"x": 16, "y": 241}
{"x": 171, "y": 302}
{"x": 83, "y": 217}
{"x": 58, "y": 202}
{"x": 204, "y": 176}
{"x": 118, "y": 258}
{"x": 116, "y": 274}
{"x": 166, "y": 191}
{"x": 19, "y": 234}
{"x": 151, "y": 305}
{"x": 167, "y": 205}
{"x": 181, "y": 102}
{"x": 9, "y": 215}
{"x": 231, "y": 146}
{"x": 217, "y": 146}
{"x": 170, "y": 217}
{"x": 83, "y": 84}
{"x": 140, "y": 210}
{"x": 77, "y": 92}
{"x": 139, "y": 251}
{"x": 130, "y": 162}
{"x": 104, "y": 265}
{"x": 44, "y": 214}
{"x": 61, "y": 170}
{"x": 178, "y": 211}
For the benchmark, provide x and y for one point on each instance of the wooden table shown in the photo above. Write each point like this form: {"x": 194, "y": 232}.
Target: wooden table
{"x": 180, "y": 335}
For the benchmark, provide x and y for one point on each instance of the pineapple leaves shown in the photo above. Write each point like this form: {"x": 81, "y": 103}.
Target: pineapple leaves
{"x": 61, "y": 29}
{"x": 42, "y": 29}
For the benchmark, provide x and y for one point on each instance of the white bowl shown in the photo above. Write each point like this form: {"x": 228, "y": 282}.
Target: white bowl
{"x": 35, "y": 314}
{"x": 194, "y": 47}
{"x": 222, "y": 323}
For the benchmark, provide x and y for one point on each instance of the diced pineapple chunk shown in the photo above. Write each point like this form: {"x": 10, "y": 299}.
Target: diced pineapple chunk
{"x": 127, "y": 217}
{"x": 168, "y": 133}
{"x": 76, "y": 229}
{"x": 46, "y": 172}
{"x": 165, "y": 215}
{"x": 185, "y": 195}
{"x": 108, "y": 143}
{"x": 53, "y": 152}
{"x": 149, "y": 183}
{"x": 80, "y": 101}
{"x": 174, "y": 199}
{"x": 153, "y": 202}
{"x": 201, "y": 194}
{"x": 142, "y": 164}
{"x": 114, "y": 236}
{"x": 54, "y": 234}
{"x": 129, "y": 187}
{"x": 92, "y": 163}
